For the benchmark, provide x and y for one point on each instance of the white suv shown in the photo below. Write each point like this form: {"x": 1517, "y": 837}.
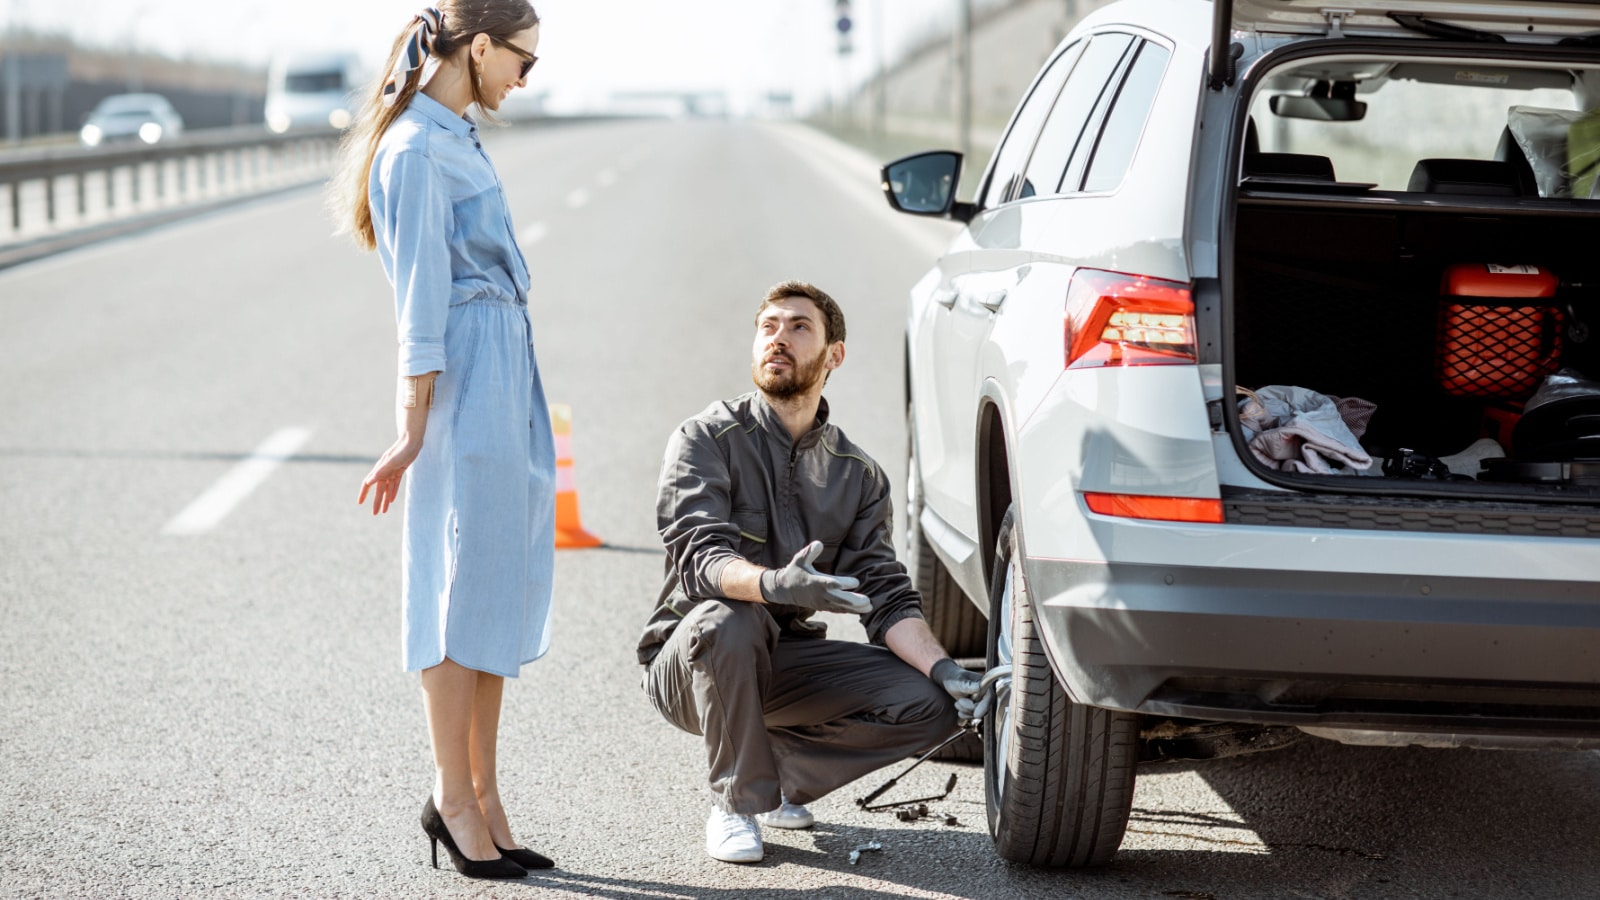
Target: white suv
{"x": 1224, "y": 423}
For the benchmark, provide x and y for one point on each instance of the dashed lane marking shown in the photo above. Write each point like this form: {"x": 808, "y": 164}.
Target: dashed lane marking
{"x": 606, "y": 178}
{"x": 577, "y": 198}
{"x": 233, "y": 487}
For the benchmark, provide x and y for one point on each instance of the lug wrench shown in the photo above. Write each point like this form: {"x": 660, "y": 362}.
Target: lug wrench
{"x": 995, "y": 686}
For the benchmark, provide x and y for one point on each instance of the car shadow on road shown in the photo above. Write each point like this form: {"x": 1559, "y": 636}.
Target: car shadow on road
{"x": 1400, "y": 821}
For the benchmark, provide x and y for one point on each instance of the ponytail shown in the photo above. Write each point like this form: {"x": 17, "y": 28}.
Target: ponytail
{"x": 384, "y": 104}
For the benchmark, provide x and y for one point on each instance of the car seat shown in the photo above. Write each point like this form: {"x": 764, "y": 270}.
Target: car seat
{"x": 1509, "y": 151}
{"x": 1466, "y": 177}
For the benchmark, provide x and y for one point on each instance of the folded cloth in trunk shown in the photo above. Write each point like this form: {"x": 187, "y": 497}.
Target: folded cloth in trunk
{"x": 1296, "y": 429}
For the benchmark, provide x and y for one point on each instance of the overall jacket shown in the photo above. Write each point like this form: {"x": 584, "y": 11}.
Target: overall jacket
{"x": 734, "y": 485}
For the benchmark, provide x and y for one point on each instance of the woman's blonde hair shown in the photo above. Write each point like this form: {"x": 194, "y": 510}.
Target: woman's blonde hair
{"x": 461, "y": 20}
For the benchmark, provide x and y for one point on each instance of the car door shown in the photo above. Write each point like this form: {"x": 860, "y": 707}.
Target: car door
{"x": 959, "y": 323}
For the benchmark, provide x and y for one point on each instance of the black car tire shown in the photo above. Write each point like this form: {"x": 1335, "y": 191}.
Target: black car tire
{"x": 955, "y": 620}
{"x": 1058, "y": 776}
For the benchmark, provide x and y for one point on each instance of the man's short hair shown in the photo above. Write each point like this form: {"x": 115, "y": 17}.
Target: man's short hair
{"x": 832, "y": 315}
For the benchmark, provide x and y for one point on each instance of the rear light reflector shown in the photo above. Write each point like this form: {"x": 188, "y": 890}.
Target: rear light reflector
{"x": 1116, "y": 319}
{"x": 1166, "y": 509}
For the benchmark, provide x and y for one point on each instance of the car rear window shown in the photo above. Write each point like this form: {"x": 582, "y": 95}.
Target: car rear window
{"x": 1120, "y": 136}
{"x": 1424, "y": 110}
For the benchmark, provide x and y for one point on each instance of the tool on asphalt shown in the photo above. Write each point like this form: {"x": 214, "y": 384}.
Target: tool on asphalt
{"x": 922, "y": 812}
{"x": 855, "y": 855}
{"x": 995, "y": 688}
{"x": 569, "y": 531}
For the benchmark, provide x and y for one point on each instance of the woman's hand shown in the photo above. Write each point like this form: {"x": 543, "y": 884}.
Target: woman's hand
{"x": 384, "y": 479}
{"x": 411, "y": 418}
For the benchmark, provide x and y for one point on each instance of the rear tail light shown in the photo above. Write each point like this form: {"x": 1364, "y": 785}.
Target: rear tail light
{"x": 1115, "y": 319}
{"x": 1166, "y": 509}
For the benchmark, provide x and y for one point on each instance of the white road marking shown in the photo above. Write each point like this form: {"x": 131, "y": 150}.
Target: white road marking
{"x": 607, "y": 177}
{"x": 533, "y": 234}
{"x": 577, "y": 198}
{"x": 228, "y": 491}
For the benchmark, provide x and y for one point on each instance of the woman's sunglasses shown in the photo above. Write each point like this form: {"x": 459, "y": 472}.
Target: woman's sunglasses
{"x": 528, "y": 59}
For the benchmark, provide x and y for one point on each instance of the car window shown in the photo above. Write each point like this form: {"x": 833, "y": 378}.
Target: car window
{"x": 1120, "y": 136}
{"x": 1431, "y": 112}
{"x": 1013, "y": 152}
{"x": 313, "y": 82}
{"x": 1065, "y": 124}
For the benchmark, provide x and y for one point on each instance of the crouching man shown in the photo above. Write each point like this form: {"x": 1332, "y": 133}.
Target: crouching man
{"x": 769, "y": 514}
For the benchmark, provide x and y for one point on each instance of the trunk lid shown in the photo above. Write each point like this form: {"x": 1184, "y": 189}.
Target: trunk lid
{"x": 1525, "y": 21}
{"x": 1544, "y": 22}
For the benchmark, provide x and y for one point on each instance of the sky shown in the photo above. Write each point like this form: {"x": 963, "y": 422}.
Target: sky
{"x": 588, "y": 48}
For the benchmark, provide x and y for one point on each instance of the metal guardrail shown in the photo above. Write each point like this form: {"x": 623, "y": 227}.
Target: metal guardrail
{"x": 195, "y": 167}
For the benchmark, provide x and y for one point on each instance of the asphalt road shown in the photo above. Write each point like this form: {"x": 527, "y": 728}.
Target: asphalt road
{"x": 223, "y": 714}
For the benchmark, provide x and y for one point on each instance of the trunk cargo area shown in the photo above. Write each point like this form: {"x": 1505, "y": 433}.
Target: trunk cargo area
{"x": 1346, "y": 299}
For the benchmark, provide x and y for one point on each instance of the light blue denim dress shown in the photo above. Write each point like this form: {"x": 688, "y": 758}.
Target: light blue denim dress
{"x": 479, "y": 543}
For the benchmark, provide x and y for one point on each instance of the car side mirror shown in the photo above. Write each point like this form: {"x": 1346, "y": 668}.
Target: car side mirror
{"x": 925, "y": 184}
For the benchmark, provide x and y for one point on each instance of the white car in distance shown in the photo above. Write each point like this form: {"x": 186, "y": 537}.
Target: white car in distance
{"x": 126, "y": 117}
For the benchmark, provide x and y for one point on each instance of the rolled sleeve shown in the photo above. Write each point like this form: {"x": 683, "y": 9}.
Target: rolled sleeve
{"x": 694, "y": 511}
{"x": 418, "y": 219}
{"x": 868, "y": 554}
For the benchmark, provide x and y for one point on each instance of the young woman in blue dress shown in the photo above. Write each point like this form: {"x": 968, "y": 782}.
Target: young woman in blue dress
{"x": 474, "y": 431}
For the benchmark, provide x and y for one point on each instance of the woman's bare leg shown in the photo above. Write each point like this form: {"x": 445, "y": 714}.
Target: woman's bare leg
{"x": 485, "y": 737}
{"x": 449, "y": 691}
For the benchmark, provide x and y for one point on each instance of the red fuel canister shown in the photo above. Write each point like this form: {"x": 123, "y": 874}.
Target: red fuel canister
{"x": 1495, "y": 337}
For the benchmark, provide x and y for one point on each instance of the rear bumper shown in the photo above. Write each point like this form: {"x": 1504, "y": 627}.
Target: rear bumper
{"x": 1371, "y": 651}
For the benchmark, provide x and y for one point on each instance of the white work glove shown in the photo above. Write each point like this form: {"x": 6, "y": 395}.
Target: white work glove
{"x": 798, "y": 584}
{"x": 964, "y": 685}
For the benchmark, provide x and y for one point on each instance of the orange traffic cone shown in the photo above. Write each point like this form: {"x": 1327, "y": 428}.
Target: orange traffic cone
{"x": 569, "y": 531}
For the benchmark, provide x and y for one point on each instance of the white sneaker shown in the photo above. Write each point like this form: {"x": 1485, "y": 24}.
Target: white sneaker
{"x": 733, "y": 838}
{"x": 788, "y": 815}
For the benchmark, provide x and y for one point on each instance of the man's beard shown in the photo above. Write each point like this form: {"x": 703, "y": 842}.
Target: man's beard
{"x": 791, "y": 382}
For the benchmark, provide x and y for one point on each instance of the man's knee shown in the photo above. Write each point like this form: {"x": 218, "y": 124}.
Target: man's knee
{"x": 928, "y": 708}
{"x": 722, "y": 628}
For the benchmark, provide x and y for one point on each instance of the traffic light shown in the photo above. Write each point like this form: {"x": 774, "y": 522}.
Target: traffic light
{"x": 843, "y": 23}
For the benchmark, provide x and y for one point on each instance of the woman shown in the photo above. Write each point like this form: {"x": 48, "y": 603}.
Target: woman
{"x": 479, "y": 506}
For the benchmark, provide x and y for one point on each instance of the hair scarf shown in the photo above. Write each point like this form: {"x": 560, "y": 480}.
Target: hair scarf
{"x": 428, "y": 23}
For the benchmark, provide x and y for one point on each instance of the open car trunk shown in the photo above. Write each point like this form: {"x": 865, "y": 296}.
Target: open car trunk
{"x": 1346, "y": 297}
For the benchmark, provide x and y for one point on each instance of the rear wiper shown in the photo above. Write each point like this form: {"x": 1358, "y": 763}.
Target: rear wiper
{"x": 1443, "y": 30}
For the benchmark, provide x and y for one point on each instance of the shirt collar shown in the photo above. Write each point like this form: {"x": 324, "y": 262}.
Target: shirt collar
{"x": 442, "y": 116}
{"x": 773, "y": 423}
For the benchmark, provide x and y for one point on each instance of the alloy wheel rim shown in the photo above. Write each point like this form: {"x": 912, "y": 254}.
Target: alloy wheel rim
{"x": 1003, "y": 656}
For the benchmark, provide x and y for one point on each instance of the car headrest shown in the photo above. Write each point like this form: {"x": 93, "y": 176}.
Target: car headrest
{"x": 1476, "y": 177}
{"x": 1252, "y": 138}
{"x": 1289, "y": 165}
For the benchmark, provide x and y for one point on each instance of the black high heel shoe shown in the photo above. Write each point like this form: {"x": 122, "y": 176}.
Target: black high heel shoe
{"x": 526, "y": 858}
{"x": 499, "y": 867}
